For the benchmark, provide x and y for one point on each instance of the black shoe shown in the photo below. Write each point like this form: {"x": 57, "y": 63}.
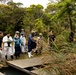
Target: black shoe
{"x": 6, "y": 57}
{"x": 12, "y": 57}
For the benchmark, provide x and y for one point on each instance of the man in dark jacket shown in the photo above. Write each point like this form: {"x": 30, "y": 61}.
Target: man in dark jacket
{"x": 31, "y": 43}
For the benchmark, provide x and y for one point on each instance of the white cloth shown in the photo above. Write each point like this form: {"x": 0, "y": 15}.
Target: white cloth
{"x": 8, "y": 50}
{"x": 23, "y": 40}
{"x": 6, "y": 39}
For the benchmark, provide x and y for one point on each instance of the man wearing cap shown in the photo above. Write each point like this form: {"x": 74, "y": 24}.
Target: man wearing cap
{"x": 31, "y": 43}
{"x": 39, "y": 42}
{"x": 8, "y": 45}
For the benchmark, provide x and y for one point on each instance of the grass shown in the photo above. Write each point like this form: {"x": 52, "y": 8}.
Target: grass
{"x": 63, "y": 60}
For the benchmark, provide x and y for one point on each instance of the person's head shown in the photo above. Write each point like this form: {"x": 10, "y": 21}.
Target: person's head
{"x": 22, "y": 34}
{"x": 33, "y": 33}
{"x": 40, "y": 34}
{"x": 51, "y": 32}
{"x": 16, "y": 34}
{"x": 1, "y": 33}
{"x": 22, "y": 29}
{"x": 8, "y": 34}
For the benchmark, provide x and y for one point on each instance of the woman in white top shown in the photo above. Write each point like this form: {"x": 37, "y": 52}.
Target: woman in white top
{"x": 23, "y": 40}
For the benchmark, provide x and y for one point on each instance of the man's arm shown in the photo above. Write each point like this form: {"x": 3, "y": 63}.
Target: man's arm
{"x": 2, "y": 45}
{"x": 54, "y": 39}
{"x": 31, "y": 38}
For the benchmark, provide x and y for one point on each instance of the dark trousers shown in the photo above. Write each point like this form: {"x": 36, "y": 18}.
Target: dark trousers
{"x": 17, "y": 51}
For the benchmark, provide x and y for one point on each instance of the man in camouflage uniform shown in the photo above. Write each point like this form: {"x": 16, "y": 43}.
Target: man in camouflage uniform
{"x": 39, "y": 42}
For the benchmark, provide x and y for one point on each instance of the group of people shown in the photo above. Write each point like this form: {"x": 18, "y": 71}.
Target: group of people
{"x": 15, "y": 46}
{"x": 35, "y": 43}
{"x": 10, "y": 47}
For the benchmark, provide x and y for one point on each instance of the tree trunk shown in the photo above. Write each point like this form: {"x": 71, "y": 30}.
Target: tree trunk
{"x": 70, "y": 21}
{"x": 71, "y": 36}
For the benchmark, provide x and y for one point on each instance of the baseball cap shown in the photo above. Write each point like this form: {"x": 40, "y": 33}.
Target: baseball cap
{"x": 17, "y": 32}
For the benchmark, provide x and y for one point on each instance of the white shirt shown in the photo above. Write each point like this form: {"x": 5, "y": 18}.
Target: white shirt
{"x": 6, "y": 39}
{"x": 23, "y": 40}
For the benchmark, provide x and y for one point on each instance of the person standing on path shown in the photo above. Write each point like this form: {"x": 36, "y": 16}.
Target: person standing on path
{"x": 51, "y": 39}
{"x": 8, "y": 46}
{"x": 31, "y": 43}
{"x": 17, "y": 44}
{"x": 23, "y": 45}
{"x": 40, "y": 43}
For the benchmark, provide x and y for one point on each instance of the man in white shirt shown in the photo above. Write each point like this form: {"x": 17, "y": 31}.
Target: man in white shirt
{"x": 8, "y": 46}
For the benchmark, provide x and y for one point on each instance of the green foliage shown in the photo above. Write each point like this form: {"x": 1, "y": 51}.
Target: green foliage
{"x": 39, "y": 25}
{"x": 62, "y": 39}
{"x": 12, "y": 17}
{"x": 34, "y": 17}
{"x": 59, "y": 17}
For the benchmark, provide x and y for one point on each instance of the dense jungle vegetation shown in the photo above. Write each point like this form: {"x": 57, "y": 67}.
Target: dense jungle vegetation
{"x": 59, "y": 17}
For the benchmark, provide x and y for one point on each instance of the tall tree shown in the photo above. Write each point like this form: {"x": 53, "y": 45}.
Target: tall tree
{"x": 68, "y": 7}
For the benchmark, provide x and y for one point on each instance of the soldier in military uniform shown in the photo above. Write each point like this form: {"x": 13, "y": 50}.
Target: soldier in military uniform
{"x": 39, "y": 42}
